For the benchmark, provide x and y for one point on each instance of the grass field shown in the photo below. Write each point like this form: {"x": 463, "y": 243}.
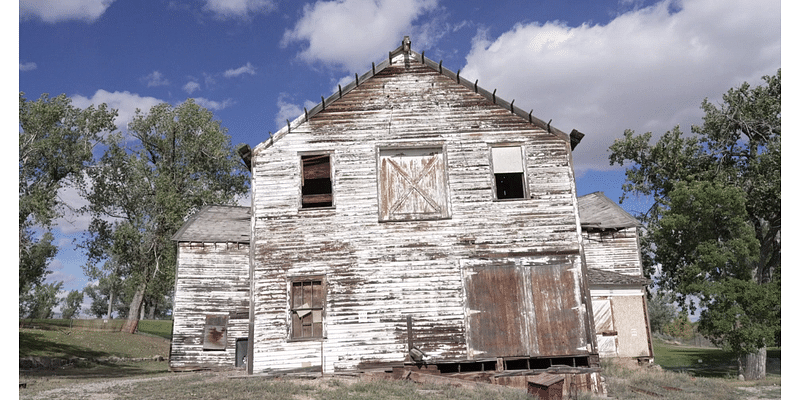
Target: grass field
{"x": 682, "y": 375}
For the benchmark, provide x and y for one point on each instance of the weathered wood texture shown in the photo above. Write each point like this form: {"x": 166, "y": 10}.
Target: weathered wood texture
{"x": 615, "y": 250}
{"x": 212, "y": 280}
{"x": 377, "y": 273}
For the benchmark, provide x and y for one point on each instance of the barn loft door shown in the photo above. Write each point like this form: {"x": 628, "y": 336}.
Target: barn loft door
{"x": 412, "y": 185}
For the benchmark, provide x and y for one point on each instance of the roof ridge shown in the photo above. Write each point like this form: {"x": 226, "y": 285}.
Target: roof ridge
{"x": 404, "y": 50}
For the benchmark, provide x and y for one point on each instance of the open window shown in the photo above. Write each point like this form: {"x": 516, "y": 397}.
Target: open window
{"x": 317, "y": 186}
{"x": 509, "y": 173}
{"x": 412, "y": 184}
{"x": 307, "y": 306}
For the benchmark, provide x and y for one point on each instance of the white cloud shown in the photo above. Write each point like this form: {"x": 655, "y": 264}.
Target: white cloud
{"x": 125, "y": 103}
{"x": 349, "y": 33}
{"x": 191, "y": 87}
{"x": 29, "y": 66}
{"x": 244, "y": 69}
{"x": 228, "y": 9}
{"x": 646, "y": 70}
{"x": 214, "y": 105}
{"x": 289, "y": 111}
{"x": 155, "y": 79}
{"x": 63, "y": 10}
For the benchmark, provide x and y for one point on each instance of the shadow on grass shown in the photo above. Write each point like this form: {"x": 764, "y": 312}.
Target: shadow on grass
{"x": 704, "y": 362}
{"x": 31, "y": 340}
{"x": 101, "y": 370}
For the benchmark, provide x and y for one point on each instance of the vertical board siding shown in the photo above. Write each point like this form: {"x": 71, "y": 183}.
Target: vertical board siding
{"x": 378, "y": 273}
{"x": 211, "y": 279}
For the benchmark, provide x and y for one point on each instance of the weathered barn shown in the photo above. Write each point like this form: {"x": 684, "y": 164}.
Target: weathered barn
{"x": 616, "y": 280}
{"x": 212, "y": 290}
{"x": 414, "y": 216}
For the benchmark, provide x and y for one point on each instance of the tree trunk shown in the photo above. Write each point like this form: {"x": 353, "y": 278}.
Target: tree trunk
{"x": 110, "y": 302}
{"x": 136, "y": 305}
{"x": 753, "y": 366}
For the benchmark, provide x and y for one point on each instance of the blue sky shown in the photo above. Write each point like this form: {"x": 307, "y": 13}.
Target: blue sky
{"x": 597, "y": 66}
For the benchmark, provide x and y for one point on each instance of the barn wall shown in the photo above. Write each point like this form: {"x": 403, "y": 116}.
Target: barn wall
{"x": 212, "y": 280}
{"x": 613, "y": 250}
{"x": 378, "y": 273}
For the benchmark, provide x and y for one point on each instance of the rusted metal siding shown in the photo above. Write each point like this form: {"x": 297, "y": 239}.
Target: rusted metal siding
{"x": 211, "y": 304}
{"x": 378, "y": 273}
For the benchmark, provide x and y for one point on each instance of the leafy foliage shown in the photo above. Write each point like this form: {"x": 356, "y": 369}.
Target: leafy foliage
{"x": 661, "y": 311}
{"x": 40, "y": 301}
{"x": 146, "y": 185}
{"x": 72, "y": 304}
{"x": 714, "y": 227}
{"x": 56, "y": 141}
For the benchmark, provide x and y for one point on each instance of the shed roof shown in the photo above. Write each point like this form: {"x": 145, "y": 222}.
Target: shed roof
{"x": 599, "y": 277}
{"x": 599, "y": 212}
{"x": 216, "y": 224}
{"x": 404, "y": 54}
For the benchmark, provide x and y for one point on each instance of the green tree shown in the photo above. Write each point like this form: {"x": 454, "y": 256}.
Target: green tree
{"x": 72, "y": 304}
{"x": 39, "y": 302}
{"x": 714, "y": 227}
{"x": 175, "y": 160}
{"x": 56, "y": 141}
{"x": 107, "y": 290}
{"x": 661, "y": 311}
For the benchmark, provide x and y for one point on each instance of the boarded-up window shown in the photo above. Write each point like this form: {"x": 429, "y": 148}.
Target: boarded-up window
{"x": 317, "y": 189}
{"x": 307, "y": 308}
{"x": 412, "y": 185}
{"x": 215, "y": 332}
{"x": 509, "y": 172}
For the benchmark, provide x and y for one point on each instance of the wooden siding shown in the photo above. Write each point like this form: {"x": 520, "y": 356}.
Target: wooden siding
{"x": 613, "y": 250}
{"x": 378, "y": 273}
{"x": 212, "y": 280}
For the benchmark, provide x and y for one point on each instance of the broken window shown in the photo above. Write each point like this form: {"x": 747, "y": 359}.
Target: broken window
{"x": 317, "y": 187}
{"x": 307, "y": 304}
{"x": 215, "y": 332}
{"x": 509, "y": 173}
{"x": 412, "y": 184}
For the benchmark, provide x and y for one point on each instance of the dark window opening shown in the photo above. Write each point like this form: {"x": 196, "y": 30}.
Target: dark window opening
{"x": 510, "y": 185}
{"x": 307, "y": 305}
{"x": 317, "y": 188}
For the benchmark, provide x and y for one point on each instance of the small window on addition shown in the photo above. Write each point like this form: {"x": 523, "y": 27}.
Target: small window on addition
{"x": 509, "y": 173}
{"x": 317, "y": 189}
{"x": 307, "y": 306}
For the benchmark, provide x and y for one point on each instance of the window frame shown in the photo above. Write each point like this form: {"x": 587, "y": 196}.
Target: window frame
{"x": 523, "y": 165}
{"x": 213, "y": 321}
{"x": 292, "y": 334}
{"x": 439, "y": 147}
{"x": 303, "y": 154}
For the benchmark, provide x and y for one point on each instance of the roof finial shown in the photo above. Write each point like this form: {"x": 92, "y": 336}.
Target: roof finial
{"x": 406, "y": 44}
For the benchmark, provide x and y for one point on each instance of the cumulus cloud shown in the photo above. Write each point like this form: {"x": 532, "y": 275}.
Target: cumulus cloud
{"x": 63, "y": 10}
{"x": 330, "y": 30}
{"x": 289, "y": 111}
{"x": 244, "y": 69}
{"x": 191, "y": 87}
{"x": 125, "y": 103}
{"x": 29, "y": 66}
{"x": 229, "y": 9}
{"x": 155, "y": 79}
{"x": 214, "y": 105}
{"x": 646, "y": 70}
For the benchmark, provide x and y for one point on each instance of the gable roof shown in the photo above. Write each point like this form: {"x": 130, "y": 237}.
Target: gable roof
{"x": 599, "y": 277}
{"x": 216, "y": 224}
{"x": 404, "y": 55}
{"x": 599, "y": 212}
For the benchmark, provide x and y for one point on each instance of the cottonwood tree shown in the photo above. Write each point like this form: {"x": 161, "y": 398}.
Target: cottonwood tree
{"x": 56, "y": 141}
{"x": 39, "y": 302}
{"x": 72, "y": 304}
{"x": 174, "y": 161}
{"x": 715, "y": 225}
